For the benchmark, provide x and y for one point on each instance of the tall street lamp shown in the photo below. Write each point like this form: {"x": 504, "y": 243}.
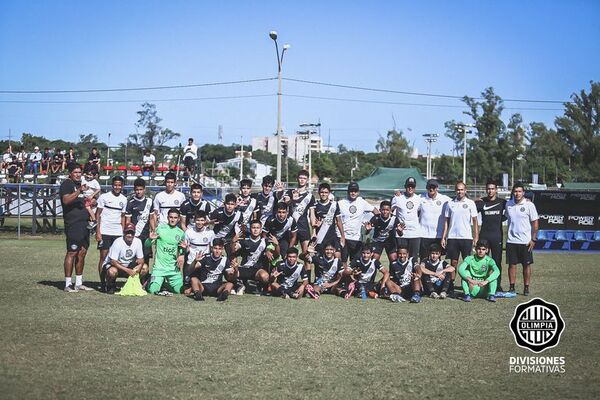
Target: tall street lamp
{"x": 429, "y": 138}
{"x": 462, "y": 128}
{"x": 310, "y": 132}
{"x": 273, "y": 35}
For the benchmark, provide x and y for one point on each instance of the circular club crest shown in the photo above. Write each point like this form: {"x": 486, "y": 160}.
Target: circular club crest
{"x": 352, "y": 209}
{"x": 176, "y": 202}
{"x": 178, "y": 238}
{"x": 439, "y": 202}
{"x": 537, "y": 325}
{"x": 128, "y": 253}
{"x": 410, "y": 205}
{"x": 205, "y": 239}
{"x": 522, "y": 209}
{"x": 121, "y": 204}
{"x": 465, "y": 206}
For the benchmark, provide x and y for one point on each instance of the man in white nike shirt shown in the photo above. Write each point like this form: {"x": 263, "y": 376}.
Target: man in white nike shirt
{"x": 461, "y": 228}
{"x": 407, "y": 206}
{"x": 431, "y": 217}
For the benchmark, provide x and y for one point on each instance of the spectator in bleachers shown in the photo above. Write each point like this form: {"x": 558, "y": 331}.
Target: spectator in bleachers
{"x": 56, "y": 167}
{"x": 7, "y": 159}
{"x": 94, "y": 158}
{"x": 46, "y": 160}
{"x": 70, "y": 157}
{"x": 190, "y": 155}
{"x": 148, "y": 161}
{"x": 22, "y": 158}
{"x": 14, "y": 171}
{"x": 35, "y": 160}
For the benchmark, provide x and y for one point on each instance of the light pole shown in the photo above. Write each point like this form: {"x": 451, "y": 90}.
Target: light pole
{"x": 461, "y": 128}
{"x": 429, "y": 138}
{"x": 273, "y": 35}
{"x": 310, "y": 132}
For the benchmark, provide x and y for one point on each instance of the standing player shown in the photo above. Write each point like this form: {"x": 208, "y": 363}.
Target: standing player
{"x": 405, "y": 278}
{"x": 170, "y": 250}
{"x": 282, "y": 227}
{"x": 289, "y": 278}
{"x": 140, "y": 212}
{"x": 198, "y": 239}
{"x": 479, "y": 274}
{"x": 256, "y": 256}
{"x": 352, "y": 211}
{"x": 436, "y": 274}
{"x": 461, "y": 229}
{"x": 209, "y": 271}
{"x": 522, "y": 230}
{"x": 76, "y": 219}
{"x": 225, "y": 220}
{"x": 191, "y": 206}
{"x": 110, "y": 215}
{"x": 407, "y": 206}
{"x": 300, "y": 201}
{"x": 265, "y": 200}
{"x": 325, "y": 218}
{"x": 246, "y": 203}
{"x": 492, "y": 208}
{"x": 168, "y": 199}
{"x": 431, "y": 217}
{"x": 384, "y": 235}
{"x": 125, "y": 258}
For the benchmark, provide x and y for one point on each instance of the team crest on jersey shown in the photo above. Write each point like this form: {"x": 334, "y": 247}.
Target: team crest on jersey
{"x": 410, "y": 205}
{"x": 178, "y": 238}
{"x": 439, "y": 202}
{"x": 484, "y": 268}
{"x": 176, "y": 202}
{"x": 128, "y": 253}
{"x": 121, "y": 204}
{"x": 465, "y": 206}
{"x": 522, "y": 209}
{"x": 205, "y": 239}
{"x": 352, "y": 209}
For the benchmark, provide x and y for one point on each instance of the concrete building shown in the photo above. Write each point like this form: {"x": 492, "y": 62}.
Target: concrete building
{"x": 297, "y": 146}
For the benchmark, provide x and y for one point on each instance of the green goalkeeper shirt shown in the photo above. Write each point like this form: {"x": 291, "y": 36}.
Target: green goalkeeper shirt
{"x": 167, "y": 248}
{"x": 479, "y": 268}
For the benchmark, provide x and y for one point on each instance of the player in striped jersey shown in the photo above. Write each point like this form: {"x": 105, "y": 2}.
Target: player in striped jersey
{"x": 289, "y": 278}
{"x": 140, "y": 212}
{"x": 405, "y": 278}
{"x": 209, "y": 272}
{"x": 328, "y": 270}
{"x": 198, "y": 240}
{"x": 191, "y": 206}
{"x": 385, "y": 229}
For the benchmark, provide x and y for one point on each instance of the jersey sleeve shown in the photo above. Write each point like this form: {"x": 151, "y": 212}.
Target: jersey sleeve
{"x": 101, "y": 202}
{"x": 367, "y": 207}
{"x": 67, "y": 187}
{"x": 139, "y": 249}
{"x": 533, "y": 214}
{"x": 495, "y": 270}
{"x": 479, "y": 205}
{"x": 447, "y": 210}
{"x": 124, "y": 206}
{"x": 473, "y": 210}
{"x": 115, "y": 249}
{"x": 156, "y": 202}
{"x": 304, "y": 275}
{"x": 379, "y": 266}
{"x": 462, "y": 268}
{"x": 129, "y": 208}
{"x": 294, "y": 227}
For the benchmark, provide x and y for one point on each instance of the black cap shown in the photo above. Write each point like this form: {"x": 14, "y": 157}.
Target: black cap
{"x": 432, "y": 183}
{"x": 353, "y": 187}
{"x": 410, "y": 181}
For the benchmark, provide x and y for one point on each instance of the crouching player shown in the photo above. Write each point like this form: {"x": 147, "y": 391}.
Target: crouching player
{"x": 198, "y": 238}
{"x": 479, "y": 274}
{"x": 328, "y": 271}
{"x": 364, "y": 270}
{"x": 256, "y": 255}
{"x": 170, "y": 250}
{"x": 405, "y": 278}
{"x": 125, "y": 258}
{"x": 289, "y": 278}
{"x": 436, "y": 273}
{"x": 209, "y": 270}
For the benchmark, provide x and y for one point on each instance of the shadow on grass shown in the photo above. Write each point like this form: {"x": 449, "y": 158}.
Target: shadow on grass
{"x": 60, "y": 285}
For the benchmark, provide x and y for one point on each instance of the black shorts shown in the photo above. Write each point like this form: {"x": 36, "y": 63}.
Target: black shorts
{"x": 303, "y": 235}
{"x": 369, "y": 287}
{"x": 412, "y": 244}
{"x": 425, "y": 244}
{"x": 458, "y": 247}
{"x": 189, "y": 162}
{"x": 351, "y": 250}
{"x": 406, "y": 291}
{"x": 518, "y": 254}
{"x": 120, "y": 273}
{"x": 389, "y": 246}
{"x": 78, "y": 236}
{"x": 289, "y": 291}
{"x": 106, "y": 242}
{"x": 246, "y": 273}
{"x": 210, "y": 289}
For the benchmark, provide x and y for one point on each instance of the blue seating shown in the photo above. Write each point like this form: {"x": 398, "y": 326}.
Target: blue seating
{"x": 541, "y": 235}
{"x": 596, "y": 236}
{"x": 580, "y": 236}
{"x": 561, "y": 235}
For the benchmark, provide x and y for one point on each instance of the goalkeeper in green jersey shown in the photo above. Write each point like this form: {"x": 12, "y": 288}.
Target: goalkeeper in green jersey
{"x": 479, "y": 274}
{"x": 170, "y": 250}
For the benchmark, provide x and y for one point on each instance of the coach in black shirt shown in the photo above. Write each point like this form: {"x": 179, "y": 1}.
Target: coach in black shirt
{"x": 76, "y": 219}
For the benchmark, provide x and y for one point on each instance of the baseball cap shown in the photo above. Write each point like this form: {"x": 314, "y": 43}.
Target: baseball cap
{"x": 129, "y": 228}
{"x": 353, "y": 187}
{"x": 432, "y": 183}
{"x": 36, "y": 148}
{"x": 410, "y": 181}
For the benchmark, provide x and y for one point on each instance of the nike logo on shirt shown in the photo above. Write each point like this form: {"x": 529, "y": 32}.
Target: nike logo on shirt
{"x": 485, "y": 208}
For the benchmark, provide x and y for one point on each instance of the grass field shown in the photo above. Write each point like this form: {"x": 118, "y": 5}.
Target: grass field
{"x": 91, "y": 345}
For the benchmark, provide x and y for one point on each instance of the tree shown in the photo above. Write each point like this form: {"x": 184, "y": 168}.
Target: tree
{"x": 154, "y": 135}
{"x": 394, "y": 150}
{"x": 548, "y": 154}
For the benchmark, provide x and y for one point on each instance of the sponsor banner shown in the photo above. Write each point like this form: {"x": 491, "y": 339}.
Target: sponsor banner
{"x": 568, "y": 210}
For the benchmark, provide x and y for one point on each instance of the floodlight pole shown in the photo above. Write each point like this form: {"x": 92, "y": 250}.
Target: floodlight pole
{"x": 273, "y": 35}
{"x": 429, "y": 138}
{"x": 462, "y": 129}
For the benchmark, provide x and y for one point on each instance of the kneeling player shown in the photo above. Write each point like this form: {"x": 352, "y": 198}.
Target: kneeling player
{"x": 125, "y": 258}
{"x": 436, "y": 273}
{"x": 289, "y": 278}
{"x": 479, "y": 274}
{"x": 328, "y": 271}
{"x": 198, "y": 239}
{"x": 364, "y": 270}
{"x": 405, "y": 278}
{"x": 256, "y": 255}
{"x": 209, "y": 270}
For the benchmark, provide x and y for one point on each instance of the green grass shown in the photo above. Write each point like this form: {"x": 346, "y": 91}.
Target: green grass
{"x": 91, "y": 345}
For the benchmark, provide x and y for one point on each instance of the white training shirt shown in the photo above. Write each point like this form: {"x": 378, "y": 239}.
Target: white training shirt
{"x": 148, "y": 159}
{"x": 407, "y": 212}
{"x": 432, "y": 216}
{"x": 198, "y": 242}
{"x": 113, "y": 208}
{"x": 520, "y": 215}
{"x": 460, "y": 214}
{"x": 191, "y": 150}
{"x": 123, "y": 253}
{"x": 352, "y": 214}
{"x": 92, "y": 185}
{"x": 164, "y": 201}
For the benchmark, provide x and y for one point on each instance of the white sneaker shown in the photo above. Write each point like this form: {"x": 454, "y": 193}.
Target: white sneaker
{"x": 241, "y": 290}
{"x": 70, "y": 289}
{"x": 165, "y": 293}
{"x": 83, "y": 288}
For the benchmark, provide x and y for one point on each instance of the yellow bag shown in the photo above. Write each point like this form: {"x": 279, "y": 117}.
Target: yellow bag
{"x": 133, "y": 287}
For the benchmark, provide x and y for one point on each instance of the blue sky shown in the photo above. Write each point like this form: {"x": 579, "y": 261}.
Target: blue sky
{"x": 528, "y": 50}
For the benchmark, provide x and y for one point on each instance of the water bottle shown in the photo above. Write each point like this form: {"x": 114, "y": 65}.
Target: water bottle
{"x": 363, "y": 292}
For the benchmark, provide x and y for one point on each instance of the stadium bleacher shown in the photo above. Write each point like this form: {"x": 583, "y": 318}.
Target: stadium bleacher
{"x": 568, "y": 240}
